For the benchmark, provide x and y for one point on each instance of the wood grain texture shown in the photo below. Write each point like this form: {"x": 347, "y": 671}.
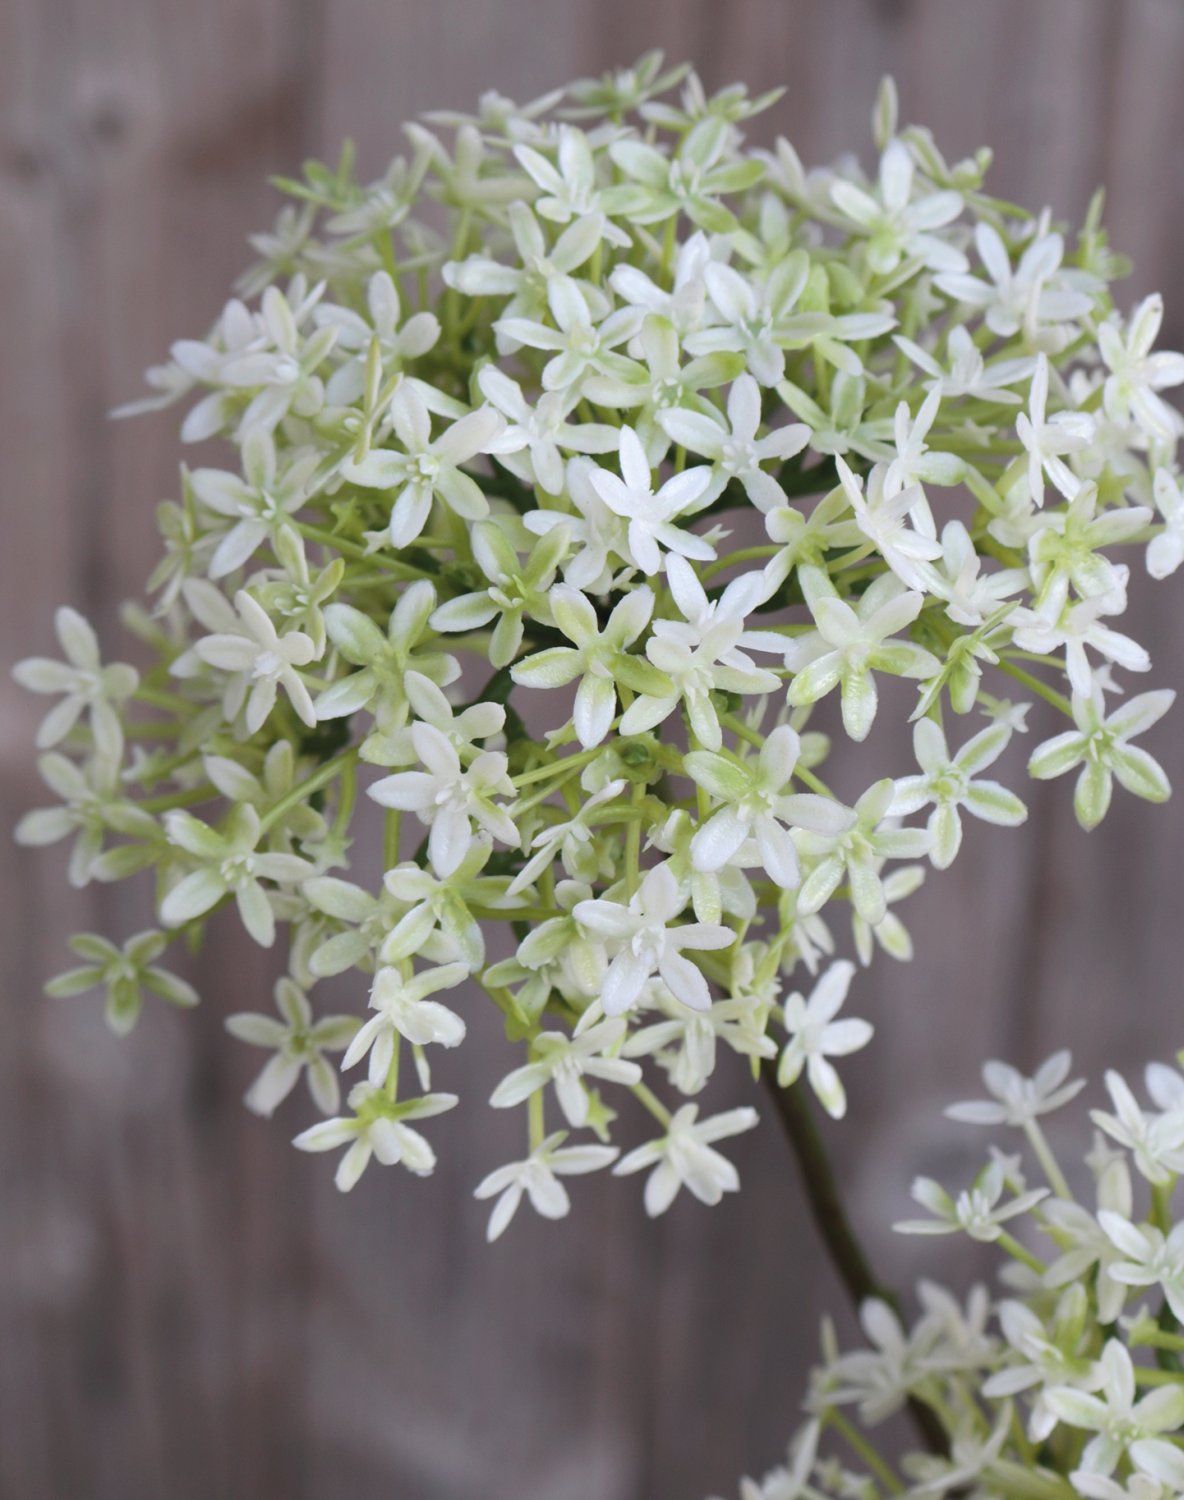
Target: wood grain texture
{"x": 187, "y": 1309}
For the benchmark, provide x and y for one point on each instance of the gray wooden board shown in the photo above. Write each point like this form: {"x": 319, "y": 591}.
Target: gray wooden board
{"x": 187, "y": 1308}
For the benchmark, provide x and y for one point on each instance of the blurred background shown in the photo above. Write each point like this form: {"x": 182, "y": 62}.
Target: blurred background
{"x": 187, "y": 1307}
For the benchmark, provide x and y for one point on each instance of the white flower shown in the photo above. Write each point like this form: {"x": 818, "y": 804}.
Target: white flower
{"x": 514, "y": 589}
{"x": 565, "y": 1061}
{"x": 815, "y": 1037}
{"x": 651, "y": 514}
{"x": 402, "y": 1008}
{"x": 397, "y": 341}
{"x": 683, "y": 1157}
{"x": 1155, "y": 1141}
{"x": 397, "y": 669}
{"x": 858, "y": 852}
{"x": 580, "y": 346}
{"x": 790, "y": 1482}
{"x": 86, "y": 685}
{"x": 569, "y": 183}
{"x": 94, "y": 806}
{"x": 595, "y": 534}
{"x": 889, "y": 932}
{"x": 570, "y": 839}
{"x": 449, "y": 797}
{"x": 882, "y": 516}
{"x": 384, "y": 203}
{"x": 533, "y": 444}
{"x": 377, "y": 1128}
{"x": 1086, "y": 1244}
{"x": 735, "y": 451}
{"x": 897, "y": 224}
{"x": 261, "y": 661}
{"x": 968, "y": 373}
{"x": 280, "y": 367}
{"x": 852, "y": 643}
{"x": 646, "y": 943}
{"x": 1065, "y": 549}
{"x": 1079, "y": 626}
{"x": 755, "y": 319}
{"x": 538, "y": 1177}
{"x": 1048, "y": 440}
{"x": 1165, "y": 552}
{"x": 125, "y": 973}
{"x": 1102, "y": 1487}
{"x": 526, "y": 283}
{"x": 881, "y": 1378}
{"x": 464, "y": 730}
{"x": 259, "y": 503}
{"x": 976, "y": 1211}
{"x": 229, "y": 863}
{"x": 759, "y": 805}
{"x": 1122, "y": 1424}
{"x": 1046, "y": 1354}
{"x": 970, "y": 594}
{"x": 599, "y": 658}
{"x": 682, "y": 305}
{"x": 1017, "y": 1100}
{"x": 428, "y": 468}
{"x": 1150, "y": 1257}
{"x": 299, "y": 1043}
{"x": 705, "y": 651}
{"x": 950, "y": 782}
{"x": 972, "y": 1456}
{"x": 1100, "y": 745}
{"x": 685, "y": 1041}
{"x": 1137, "y": 375}
{"x": 914, "y": 463}
{"x": 1029, "y": 294}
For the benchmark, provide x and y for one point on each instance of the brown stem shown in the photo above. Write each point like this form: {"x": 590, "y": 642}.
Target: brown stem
{"x": 834, "y": 1225}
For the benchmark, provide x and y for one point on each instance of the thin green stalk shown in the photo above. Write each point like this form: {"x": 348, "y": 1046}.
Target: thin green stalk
{"x": 391, "y": 828}
{"x": 859, "y": 1445}
{"x": 321, "y": 777}
{"x": 1041, "y": 689}
{"x": 1019, "y": 1252}
{"x": 1048, "y": 1162}
{"x": 359, "y": 553}
{"x": 652, "y": 1103}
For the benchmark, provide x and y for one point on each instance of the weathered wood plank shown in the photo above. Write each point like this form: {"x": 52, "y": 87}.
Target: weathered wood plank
{"x": 187, "y": 1307}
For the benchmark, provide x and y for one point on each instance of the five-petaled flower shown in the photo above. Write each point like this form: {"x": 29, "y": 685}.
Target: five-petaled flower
{"x": 815, "y": 1036}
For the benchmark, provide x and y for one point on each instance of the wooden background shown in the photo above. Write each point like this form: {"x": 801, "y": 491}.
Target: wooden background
{"x": 187, "y": 1308}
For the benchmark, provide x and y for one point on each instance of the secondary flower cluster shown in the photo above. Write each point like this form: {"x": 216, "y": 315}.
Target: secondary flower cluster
{"x": 1071, "y": 1381}
{"x": 554, "y": 530}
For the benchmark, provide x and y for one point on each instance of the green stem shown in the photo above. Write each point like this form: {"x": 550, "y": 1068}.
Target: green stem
{"x": 858, "y": 1444}
{"x": 158, "y": 699}
{"x": 652, "y": 1103}
{"x": 392, "y": 1074}
{"x": 321, "y": 777}
{"x": 1144, "y": 1375}
{"x": 188, "y": 798}
{"x": 535, "y": 1118}
{"x": 391, "y": 827}
{"x": 1018, "y": 1252}
{"x": 358, "y": 552}
{"x": 1048, "y": 1162}
{"x": 1041, "y": 689}
{"x": 557, "y": 767}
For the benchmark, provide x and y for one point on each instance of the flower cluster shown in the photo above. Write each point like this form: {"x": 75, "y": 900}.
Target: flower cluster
{"x": 570, "y": 534}
{"x": 1068, "y": 1382}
